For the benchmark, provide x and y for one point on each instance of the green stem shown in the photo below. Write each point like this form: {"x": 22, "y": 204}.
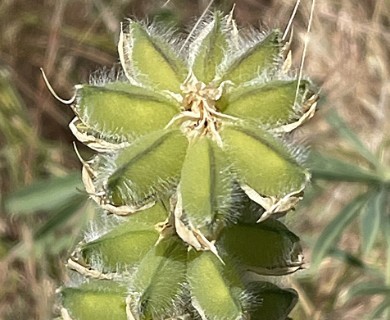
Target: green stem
{"x": 387, "y": 313}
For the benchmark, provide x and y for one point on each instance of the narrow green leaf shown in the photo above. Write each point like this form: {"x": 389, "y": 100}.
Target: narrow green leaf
{"x": 149, "y": 167}
{"x": 204, "y": 184}
{"x": 379, "y": 310}
{"x": 272, "y": 103}
{"x": 209, "y": 48}
{"x": 158, "y": 281}
{"x": 341, "y": 127}
{"x": 126, "y": 244}
{"x": 146, "y": 57}
{"x": 260, "y": 57}
{"x": 384, "y": 208}
{"x": 348, "y": 258}
{"x": 329, "y": 168}
{"x": 262, "y": 162}
{"x": 95, "y": 300}
{"x": 121, "y": 111}
{"x": 334, "y": 229}
{"x": 368, "y": 289}
{"x": 215, "y": 288}
{"x": 271, "y": 302}
{"x": 45, "y": 195}
{"x": 370, "y": 221}
{"x": 265, "y": 248}
{"x": 58, "y": 218}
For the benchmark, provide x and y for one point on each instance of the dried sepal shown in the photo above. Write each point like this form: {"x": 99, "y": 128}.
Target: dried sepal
{"x": 307, "y": 112}
{"x": 98, "y": 193}
{"x": 273, "y": 205}
{"x": 91, "y": 138}
{"x": 189, "y": 233}
{"x": 85, "y": 270}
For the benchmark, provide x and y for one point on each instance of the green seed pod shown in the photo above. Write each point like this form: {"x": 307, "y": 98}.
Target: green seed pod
{"x": 267, "y": 248}
{"x": 121, "y": 111}
{"x": 209, "y": 48}
{"x": 150, "y": 166}
{"x": 273, "y": 104}
{"x": 205, "y": 183}
{"x": 257, "y": 58}
{"x": 216, "y": 291}
{"x": 95, "y": 300}
{"x": 126, "y": 244}
{"x": 271, "y": 302}
{"x": 148, "y": 59}
{"x": 262, "y": 162}
{"x": 157, "y": 284}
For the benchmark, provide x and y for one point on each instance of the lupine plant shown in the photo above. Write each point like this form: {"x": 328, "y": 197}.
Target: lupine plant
{"x": 193, "y": 168}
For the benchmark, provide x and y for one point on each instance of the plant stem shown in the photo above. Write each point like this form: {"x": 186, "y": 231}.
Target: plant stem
{"x": 387, "y": 312}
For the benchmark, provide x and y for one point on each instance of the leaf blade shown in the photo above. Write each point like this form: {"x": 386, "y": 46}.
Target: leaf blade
{"x": 333, "y": 230}
{"x": 370, "y": 220}
{"x": 335, "y": 120}
{"x": 45, "y": 195}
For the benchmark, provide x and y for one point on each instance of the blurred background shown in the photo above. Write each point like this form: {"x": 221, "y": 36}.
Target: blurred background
{"x": 342, "y": 221}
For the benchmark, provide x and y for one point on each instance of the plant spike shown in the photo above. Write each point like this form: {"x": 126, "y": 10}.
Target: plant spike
{"x": 191, "y": 172}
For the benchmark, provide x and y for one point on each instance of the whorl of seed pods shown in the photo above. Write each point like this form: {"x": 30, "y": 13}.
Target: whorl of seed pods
{"x": 192, "y": 168}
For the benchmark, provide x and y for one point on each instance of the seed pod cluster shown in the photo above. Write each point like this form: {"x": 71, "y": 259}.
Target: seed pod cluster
{"x": 191, "y": 172}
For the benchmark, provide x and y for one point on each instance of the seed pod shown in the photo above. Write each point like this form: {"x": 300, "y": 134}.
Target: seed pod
{"x": 209, "y": 48}
{"x": 270, "y": 302}
{"x": 267, "y": 248}
{"x": 157, "y": 284}
{"x": 149, "y": 59}
{"x": 95, "y": 300}
{"x": 262, "y": 162}
{"x": 273, "y": 104}
{"x": 126, "y": 244}
{"x": 261, "y": 56}
{"x": 205, "y": 185}
{"x": 148, "y": 167}
{"x": 122, "y": 112}
{"x": 215, "y": 289}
